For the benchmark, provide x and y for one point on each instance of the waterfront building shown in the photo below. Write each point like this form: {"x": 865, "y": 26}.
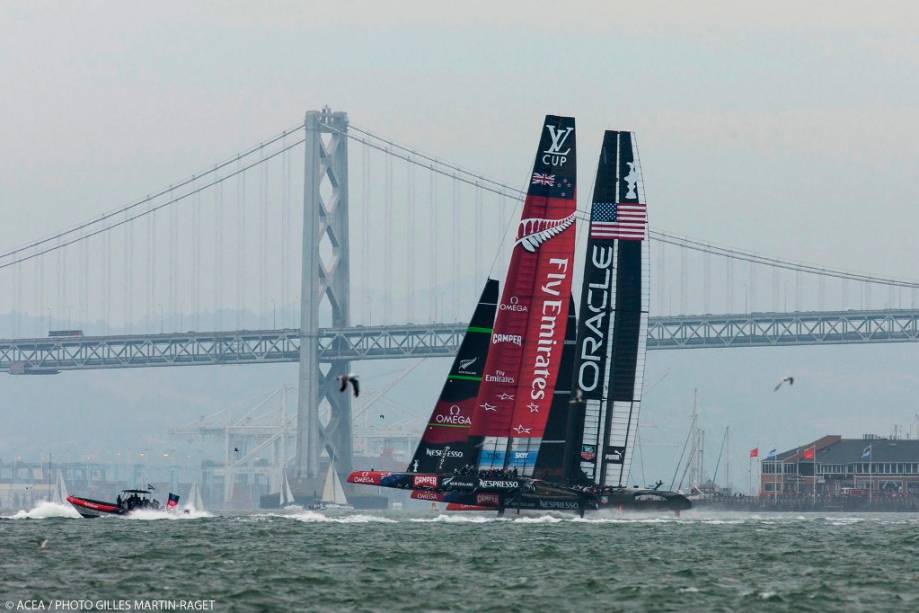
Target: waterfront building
{"x": 834, "y": 466}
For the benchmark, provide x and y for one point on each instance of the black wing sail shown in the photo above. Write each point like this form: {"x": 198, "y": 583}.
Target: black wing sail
{"x": 614, "y": 314}
{"x": 445, "y": 443}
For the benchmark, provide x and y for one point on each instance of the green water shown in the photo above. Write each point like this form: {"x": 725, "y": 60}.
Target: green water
{"x": 385, "y": 562}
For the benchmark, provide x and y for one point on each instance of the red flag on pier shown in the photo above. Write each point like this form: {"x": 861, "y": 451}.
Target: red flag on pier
{"x": 809, "y": 453}
{"x": 754, "y": 453}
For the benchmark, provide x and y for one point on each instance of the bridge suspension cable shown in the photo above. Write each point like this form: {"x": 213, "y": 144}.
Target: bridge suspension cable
{"x": 413, "y": 156}
{"x": 480, "y": 181}
{"x": 241, "y": 169}
{"x": 151, "y": 197}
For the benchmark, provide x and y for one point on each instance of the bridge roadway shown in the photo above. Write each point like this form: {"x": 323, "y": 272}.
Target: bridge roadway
{"x": 51, "y": 355}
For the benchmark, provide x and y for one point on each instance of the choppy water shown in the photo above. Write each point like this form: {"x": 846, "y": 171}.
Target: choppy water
{"x": 384, "y": 562}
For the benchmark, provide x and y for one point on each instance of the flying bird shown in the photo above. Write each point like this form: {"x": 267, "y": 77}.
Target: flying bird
{"x": 790, "y": 380}
{"x": 235, "y": 449}
{"x": 351, "y": 378}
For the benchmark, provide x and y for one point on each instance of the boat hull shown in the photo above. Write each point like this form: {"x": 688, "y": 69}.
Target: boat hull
{"x": 643, "y": 499}
{"x": 90, "y": 508}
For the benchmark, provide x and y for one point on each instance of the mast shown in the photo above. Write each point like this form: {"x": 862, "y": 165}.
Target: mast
{"x": 614, "y": 313}
{"x": 523, "y": 363}
{"x": 445, "y": 442}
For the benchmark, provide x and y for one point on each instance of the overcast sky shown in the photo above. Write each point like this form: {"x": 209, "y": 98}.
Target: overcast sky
{"x": 791, "y": 130}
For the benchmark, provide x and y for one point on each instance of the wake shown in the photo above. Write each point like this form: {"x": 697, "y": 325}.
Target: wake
{"x": 47, "y": 510}
{"x": 153, "y": 515}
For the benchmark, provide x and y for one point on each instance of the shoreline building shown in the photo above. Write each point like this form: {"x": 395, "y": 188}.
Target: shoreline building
{"x": 834, "y": 466}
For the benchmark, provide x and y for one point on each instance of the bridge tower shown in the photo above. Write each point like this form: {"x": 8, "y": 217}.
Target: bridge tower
{"x": 325, "y": 276}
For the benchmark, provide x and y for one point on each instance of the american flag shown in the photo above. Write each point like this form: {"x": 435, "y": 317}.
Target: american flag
{"x": 625, "y": 220}
{"x": 543, "y": 179}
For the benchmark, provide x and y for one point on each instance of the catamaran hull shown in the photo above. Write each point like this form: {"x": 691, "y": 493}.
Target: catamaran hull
{"x": 636, "y": 499}
{"x": 94, "y": 508}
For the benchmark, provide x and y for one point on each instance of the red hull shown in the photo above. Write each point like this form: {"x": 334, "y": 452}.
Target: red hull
{"x": 94, "y": 508}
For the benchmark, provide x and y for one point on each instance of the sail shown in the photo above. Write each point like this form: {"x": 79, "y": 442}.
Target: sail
{"x": 59, "y": 493}
{"x": 332, "y": 491}
{"x": 287, "y": 496}
{"x": 614, "y": 305}
{"x": 194, "y": 499}
{"x": 550, "y": 462}
{"x": 526, "y": 344}
{"x": 444, "y": 445}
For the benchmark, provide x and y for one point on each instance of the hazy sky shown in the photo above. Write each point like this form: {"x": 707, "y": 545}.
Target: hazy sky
{"x": 790, "y": 130}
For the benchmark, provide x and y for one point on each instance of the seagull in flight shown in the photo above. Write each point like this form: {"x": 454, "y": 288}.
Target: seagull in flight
{"x": 790, "y": 380}
{"x": 351, "y": 378}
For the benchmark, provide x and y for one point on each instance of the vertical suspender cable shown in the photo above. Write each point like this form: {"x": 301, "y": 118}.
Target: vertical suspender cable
{"x": 454, "y": 252}
{"x": 821, "y": 292}
{"x": 752, "y": 288}
{"x": 386, "y": 286}
{"x": 240, "y": 245}
{"x": 775, "y": 289}
{"x": 478, "y": 238}
{"x": 263, "y": 242}
{"x": 195, "y": 242}
{"x": 409, "y": 244}
{"x": 218, "y": 257}
{"x": 84, "y": 282}
{"x": 432, "y": 236}
{"x": 107, "y": 308}
{"x": 285, "y": 235}
{"x": 39, "y": 292}
{"x": 683, "y": 284}
{"x": 706, "y": 283}
{"x": 729, "y": 285}
{"x": 17, "y": 316}
{"x": 173, "y": 261}
{"x": 366, "y": 211}
{"x": 128, "y": 275}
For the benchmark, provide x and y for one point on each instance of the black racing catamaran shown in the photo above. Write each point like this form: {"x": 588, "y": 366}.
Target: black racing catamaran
{"x": 444, "y": 446}
{"x": 496, "y": 445}
{"x": 613, "y": 331}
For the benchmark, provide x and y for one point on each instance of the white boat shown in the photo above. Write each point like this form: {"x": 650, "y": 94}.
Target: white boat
{"x": 194, "y": 501}
{"x": 287, "y": 500}
{"x": 59, "y": 492}
{"x": 333, "y": 494}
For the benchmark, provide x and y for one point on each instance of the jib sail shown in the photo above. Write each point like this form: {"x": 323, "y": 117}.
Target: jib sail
{"x": 613, "y": 327}
{"x": 526, "y": 345}
{"x": 445, "y": 442}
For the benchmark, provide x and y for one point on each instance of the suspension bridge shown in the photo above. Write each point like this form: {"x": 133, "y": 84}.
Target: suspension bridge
{"x": 394, "y": 246}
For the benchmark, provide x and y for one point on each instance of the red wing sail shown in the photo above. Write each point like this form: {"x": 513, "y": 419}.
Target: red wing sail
{"x": 551, "y": 462}
{"x": 445, "y": 445}
{"x": 526, "y": 344}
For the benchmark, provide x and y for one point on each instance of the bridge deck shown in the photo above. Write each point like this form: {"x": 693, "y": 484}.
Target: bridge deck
{"x": 49, "y": 355}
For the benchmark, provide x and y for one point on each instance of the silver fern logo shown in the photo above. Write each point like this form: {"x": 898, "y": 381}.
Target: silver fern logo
{"x": 466, "y": 364}
{"x": 533, "y": 232}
